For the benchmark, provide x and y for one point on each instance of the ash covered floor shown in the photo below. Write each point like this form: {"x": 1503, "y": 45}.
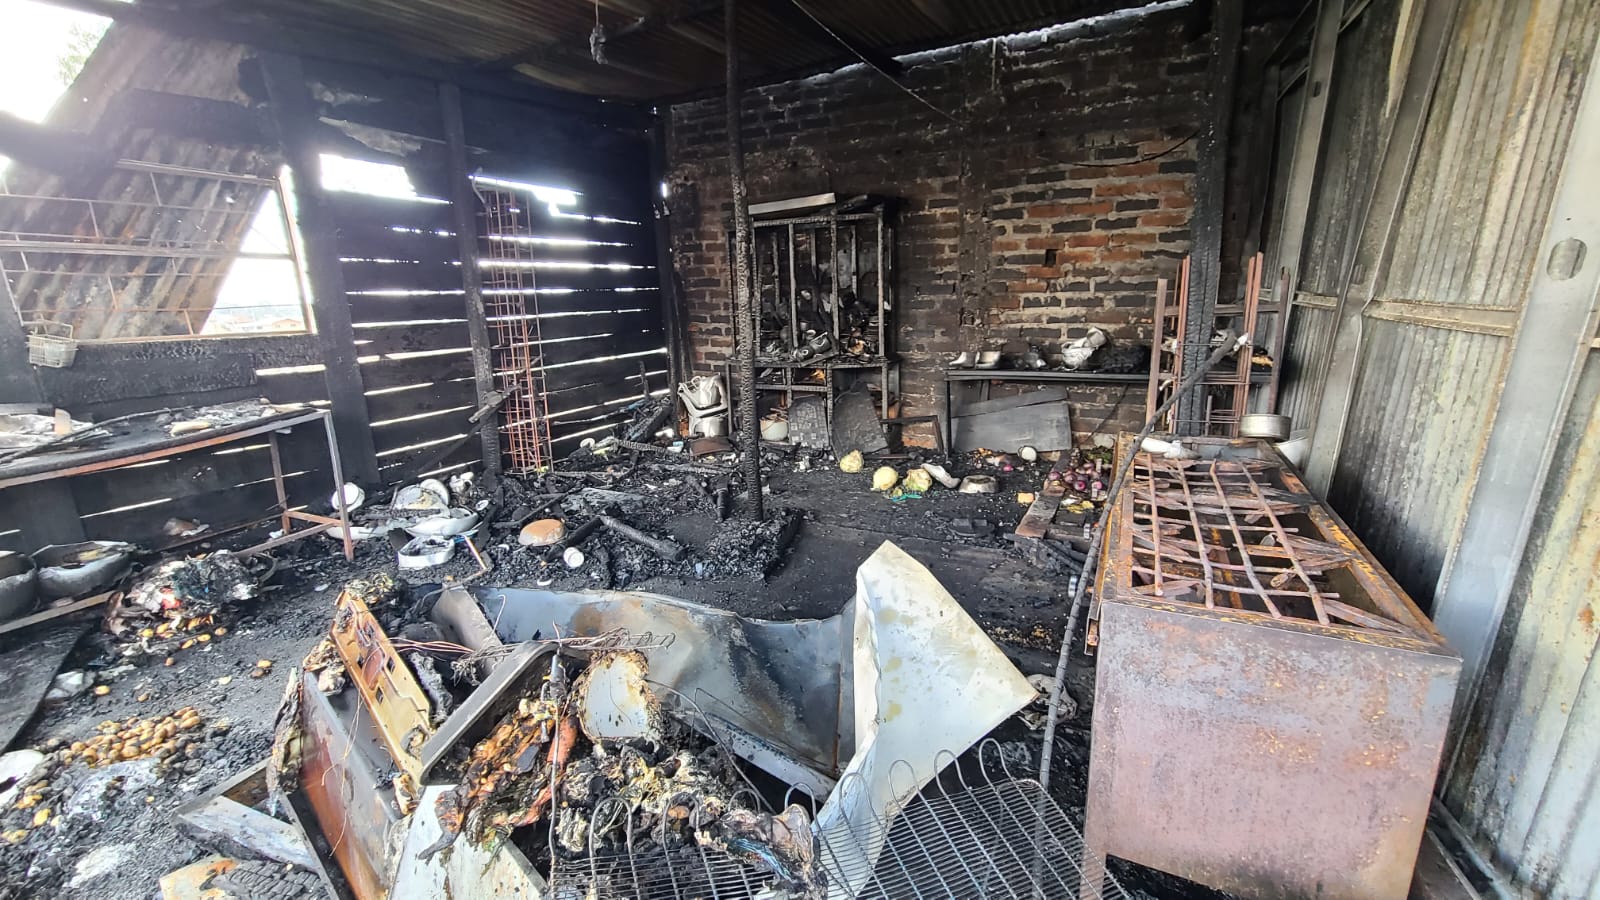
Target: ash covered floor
{"x": 108, "y": 831}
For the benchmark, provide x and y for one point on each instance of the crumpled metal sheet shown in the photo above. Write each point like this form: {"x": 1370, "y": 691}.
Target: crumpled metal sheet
{"x": 927, "y": 684}
{"x": 777, "y": 682}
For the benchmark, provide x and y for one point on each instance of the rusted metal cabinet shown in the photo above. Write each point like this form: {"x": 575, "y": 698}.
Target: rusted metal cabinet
{"x": 1270, "y": 707}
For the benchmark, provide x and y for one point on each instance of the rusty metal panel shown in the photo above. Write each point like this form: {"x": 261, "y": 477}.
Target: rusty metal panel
{"x": 1344, "y": 167}
{"x": 1524, "y": 783}
{"x": 1262, "y": 759}
{"x": 1418, "y": 420}
{"x": 342, "y": 780}
{"x": 1305, "y": 357}
{"x": 399, "y": 708}
{"x": 1258, "y": 668}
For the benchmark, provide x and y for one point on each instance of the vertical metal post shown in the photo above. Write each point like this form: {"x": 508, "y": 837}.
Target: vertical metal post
{"x": 1302, "y": 177}
{"x": 277, "y": 483}
{"x": 338, "y": 488}
{"x": 463, "y": 206}
{"x": 794, "y": 288}
{"x": 1211, "y": 190}
{"x": 750, "y": 428}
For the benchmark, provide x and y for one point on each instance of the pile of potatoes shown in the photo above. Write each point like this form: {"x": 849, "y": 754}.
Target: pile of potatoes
{"x": 169, "y": 738}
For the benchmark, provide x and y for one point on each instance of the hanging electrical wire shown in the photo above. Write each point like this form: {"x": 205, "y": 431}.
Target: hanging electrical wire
{"x": 597, "y": 38}
{"x": 874, "y": 66}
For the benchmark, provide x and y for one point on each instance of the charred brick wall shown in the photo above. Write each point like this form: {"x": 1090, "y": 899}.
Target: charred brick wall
{"x": 1044, "y": 183}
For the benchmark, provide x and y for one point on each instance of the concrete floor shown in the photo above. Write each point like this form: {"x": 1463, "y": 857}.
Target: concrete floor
{"x": 117, "y": 842}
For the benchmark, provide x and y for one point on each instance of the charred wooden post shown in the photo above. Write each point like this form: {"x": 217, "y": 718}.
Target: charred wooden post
{"x": 1211, "y": 184}
{"x": 750, "y": 428}
{"x": 295, "y": 119}
{"x": 464, "y": 202}
{"x": 672, "y": 312}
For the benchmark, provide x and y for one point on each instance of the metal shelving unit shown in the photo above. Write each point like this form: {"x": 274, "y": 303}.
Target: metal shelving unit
{"x": 827, "y": 273}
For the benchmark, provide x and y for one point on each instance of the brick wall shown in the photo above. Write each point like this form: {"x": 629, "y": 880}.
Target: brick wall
{"x": 1031, "y": 217}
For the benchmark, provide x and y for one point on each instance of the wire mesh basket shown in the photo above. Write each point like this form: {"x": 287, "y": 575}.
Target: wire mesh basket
{"x": 976, "y": 831}
{"x": 51, "y": 344}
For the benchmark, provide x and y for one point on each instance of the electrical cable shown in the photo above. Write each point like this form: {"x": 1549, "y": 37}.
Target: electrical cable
{"x": 874, "y": 66}
{"x": 1143, "y": 159}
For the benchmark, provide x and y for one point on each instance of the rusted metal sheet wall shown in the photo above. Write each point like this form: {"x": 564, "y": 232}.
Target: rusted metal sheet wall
{"x": 1434, "y": 342}
{"x": 1423, "y": 401}
{"x": 1355, "y": 109}
{"x": 1305, "y": 356}
{"x": 1526, "y": 781}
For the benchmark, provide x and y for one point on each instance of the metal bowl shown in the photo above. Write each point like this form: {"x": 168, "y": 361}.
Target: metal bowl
{"x": 451, "y": 522}
{"x": 1265, "y": 425}
{"x": 426, "y": 552}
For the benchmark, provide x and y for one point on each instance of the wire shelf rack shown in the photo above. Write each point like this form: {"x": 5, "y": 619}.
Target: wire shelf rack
{"x": 976, "y": 831}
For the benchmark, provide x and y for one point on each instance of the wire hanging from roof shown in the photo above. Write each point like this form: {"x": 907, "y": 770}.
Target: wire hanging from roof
{"x": 874, "y": 66}
{"x": 597, "y": 38}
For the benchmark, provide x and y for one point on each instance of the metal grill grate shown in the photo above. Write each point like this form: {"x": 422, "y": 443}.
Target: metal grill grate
{"x": 1237, "y": 534}
{"x": 969, "y": 833}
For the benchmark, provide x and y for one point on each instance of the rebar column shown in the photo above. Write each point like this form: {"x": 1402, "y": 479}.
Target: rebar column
{"x": 745, "y": 331}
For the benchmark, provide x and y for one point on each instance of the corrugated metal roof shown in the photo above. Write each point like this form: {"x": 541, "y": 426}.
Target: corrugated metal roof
{"x": 148, "y": 293}
{"x": 654, "y": 48}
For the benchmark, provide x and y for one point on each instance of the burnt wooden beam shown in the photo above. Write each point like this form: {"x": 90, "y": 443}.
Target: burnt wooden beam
{"x": 1210, "y": 196}
{"x": 201, "y": 118}
{"x": 296, "y": 124}
{"x": 803, "y": 18}
{"x": 464, "y": 203}
{"x": 745, "y": 325}
{"x": 66, "y": 153}
{"x": 672, "y": 311}
{"x": 345, "y": 45}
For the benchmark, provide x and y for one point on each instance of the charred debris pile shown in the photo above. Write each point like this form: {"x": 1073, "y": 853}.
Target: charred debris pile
{"x": 625, "y": 744}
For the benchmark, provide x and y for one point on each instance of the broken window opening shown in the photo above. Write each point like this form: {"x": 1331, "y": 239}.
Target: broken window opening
{"x": 155, "y": 252}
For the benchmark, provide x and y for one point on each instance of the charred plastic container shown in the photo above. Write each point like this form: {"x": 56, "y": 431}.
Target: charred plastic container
{"x": 1270, "y": 707}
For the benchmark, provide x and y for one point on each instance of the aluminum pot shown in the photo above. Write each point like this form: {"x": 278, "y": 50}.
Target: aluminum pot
{"x": 1265, "y": 425}
{"x": 18, "y": 584}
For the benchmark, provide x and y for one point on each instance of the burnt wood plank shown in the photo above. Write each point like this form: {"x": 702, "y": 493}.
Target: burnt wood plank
{"x": 422, "y": 399}
{"x": 383, "y": 339}
{"x": 388, "y": 373}
{"x": 400, "y": 274}
{"x": 350, "y": 208}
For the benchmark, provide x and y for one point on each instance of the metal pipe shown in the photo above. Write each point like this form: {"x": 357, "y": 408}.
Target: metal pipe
{"x": 1230, "y": 345}
{"x": 749, "y": 427}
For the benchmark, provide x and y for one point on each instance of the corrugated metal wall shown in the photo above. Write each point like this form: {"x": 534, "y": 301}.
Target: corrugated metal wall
{"x": 1428, "y": 373}
{"x": 1434, "y": 347}
{"x": 1529, "y": 782}
{"x": 1469, "y": 226}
